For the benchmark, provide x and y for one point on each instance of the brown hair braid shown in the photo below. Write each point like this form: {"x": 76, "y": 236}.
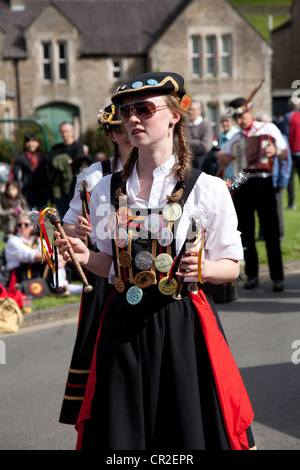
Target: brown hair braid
{"x": 115, "y": 157}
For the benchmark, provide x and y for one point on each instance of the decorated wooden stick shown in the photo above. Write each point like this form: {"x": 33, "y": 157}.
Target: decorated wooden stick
{"x": 54, "y": 218}
{"x": 84, "y": 206}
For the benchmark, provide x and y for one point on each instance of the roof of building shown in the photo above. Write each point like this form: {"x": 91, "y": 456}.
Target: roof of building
{"x": 108, "y": 27}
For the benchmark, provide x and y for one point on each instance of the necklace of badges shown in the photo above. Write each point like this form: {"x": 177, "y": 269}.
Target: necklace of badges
{"x": 147, "y": 263}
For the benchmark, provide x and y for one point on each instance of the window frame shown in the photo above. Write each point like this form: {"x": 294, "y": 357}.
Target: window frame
{"x": 198, "y": 55}
{"x": 116, "y": 68}
{"x": 47, "y": 61}
{"x": 226, "y": 54}
{"x": 211, "y": 54}
{"x": 62, "y": 60}
{"x": 54, "y": 61}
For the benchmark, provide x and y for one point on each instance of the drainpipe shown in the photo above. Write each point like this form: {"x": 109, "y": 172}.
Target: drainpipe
{"x": 17, "y": 78}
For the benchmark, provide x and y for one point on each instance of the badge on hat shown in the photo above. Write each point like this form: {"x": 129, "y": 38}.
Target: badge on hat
{"x": 186, "y": 102}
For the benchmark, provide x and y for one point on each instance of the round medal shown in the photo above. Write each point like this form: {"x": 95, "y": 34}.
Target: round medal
{"x": 143, "y": 260}
{"x": 152, "y": 82}
{"x": 137, "y": 85}
{"x": 153, "y": 223}
{"x": 144, "y": 279}
{"x": 172, "y": 211}
{"x": 119, "y": 284}
{"x": 163, "y": 262}
{"x": 124, "y": 259}
{"x": 121, "y": 238}
{"x": 134, "y": 295}
{"x": 168, "y": 289}
{"x": 112, "y": 221}
{"x": 165, "y": 237}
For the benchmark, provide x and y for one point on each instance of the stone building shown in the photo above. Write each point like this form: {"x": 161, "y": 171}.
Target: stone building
{"x": 286, "y": 63}
{"x": 61, "y": 60}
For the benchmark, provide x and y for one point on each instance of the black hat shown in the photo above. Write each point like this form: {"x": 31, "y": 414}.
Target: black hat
{"x": 161, "y": 82}
{"x": 79, "y": 159}
{"x": 109, "y": 117}
{"x": 238, "y": 107}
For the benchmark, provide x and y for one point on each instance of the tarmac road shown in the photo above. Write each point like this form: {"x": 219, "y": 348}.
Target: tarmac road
{"x": 261, "y": 327}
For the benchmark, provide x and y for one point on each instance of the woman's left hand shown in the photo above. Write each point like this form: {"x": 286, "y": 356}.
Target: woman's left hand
{"x": 188, "y": 265}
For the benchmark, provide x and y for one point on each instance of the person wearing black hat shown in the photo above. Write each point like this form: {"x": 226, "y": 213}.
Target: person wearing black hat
{"x": 77, "y": 223}
{"x": 258, "y": 193}
{"x": 162, "y": 375}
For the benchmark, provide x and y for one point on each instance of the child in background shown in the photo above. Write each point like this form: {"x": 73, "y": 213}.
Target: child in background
{"x": 11, "y": 204}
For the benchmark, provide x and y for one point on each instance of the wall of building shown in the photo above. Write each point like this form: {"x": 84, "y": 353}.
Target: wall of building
{"x": 251, "y": 55}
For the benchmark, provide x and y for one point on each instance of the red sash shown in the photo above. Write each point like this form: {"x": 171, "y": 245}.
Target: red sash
{"x": 233, "y": 398}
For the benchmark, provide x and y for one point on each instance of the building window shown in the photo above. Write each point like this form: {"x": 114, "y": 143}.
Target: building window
{"x": 212, "y": 116}
{"x": 62, "y": 61}
{"x": 196, "y": 55}
{"x": 210, "y": 55}
{"x": 47, "y": 61}
{"x": 226, "y": 54}
{"x": 116, "y": 69}
{"x": 55, "y": 61}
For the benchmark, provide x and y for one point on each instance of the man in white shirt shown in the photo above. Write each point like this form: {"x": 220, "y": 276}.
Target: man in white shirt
{"x": 257, "y": 194}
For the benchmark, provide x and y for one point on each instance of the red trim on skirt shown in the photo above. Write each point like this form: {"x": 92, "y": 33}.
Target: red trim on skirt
{"x": 86, "y": 408}
{"x": 234, "y": 401}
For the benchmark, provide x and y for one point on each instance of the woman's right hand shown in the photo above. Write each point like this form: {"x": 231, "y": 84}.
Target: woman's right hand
{"x": 81, "y": 251}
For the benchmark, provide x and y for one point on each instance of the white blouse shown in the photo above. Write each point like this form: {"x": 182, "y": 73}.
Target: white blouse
{"x": 92, "y": 175}
{"x": 259, "y": 128}
{"x": 18, "y": 251}
{"x": 210, "y": 194}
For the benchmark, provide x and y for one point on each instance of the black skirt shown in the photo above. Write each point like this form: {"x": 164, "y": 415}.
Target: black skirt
{"x": 88, "y": 325}
{"x": 153, "y": 386}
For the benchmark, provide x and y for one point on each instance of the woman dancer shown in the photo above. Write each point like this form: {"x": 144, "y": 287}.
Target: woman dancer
{"x": 162, "y": 375}
{"x": 76, "y": 223}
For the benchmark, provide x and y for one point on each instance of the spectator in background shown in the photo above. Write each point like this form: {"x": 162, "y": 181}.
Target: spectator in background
{"x": 280, "y": 175}
{"x": 257, "y": 194}
{"x": 11, "y": 204}
{"x": 100, "y": 156}
{"x": 68, "y": 145}
{"x": 292, "y": 130}
{"x": 31, "y": 171}
{"x": 229, "y": 129}
{"x": 62, "y": 157}
{"x": 23, "y": 256}
{"x": 199, "y": 134}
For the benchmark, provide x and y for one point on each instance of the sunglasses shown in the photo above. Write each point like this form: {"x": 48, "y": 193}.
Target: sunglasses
{"x": 23, "y": 224}
{"x": 142, "y": 109}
